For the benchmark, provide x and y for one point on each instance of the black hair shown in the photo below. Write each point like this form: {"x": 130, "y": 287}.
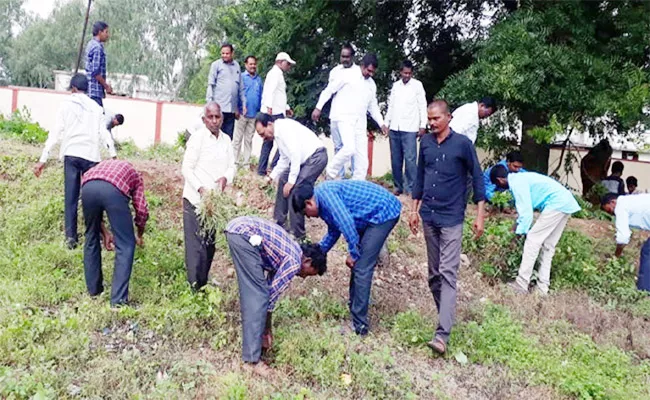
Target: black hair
{"x": 80, "y": 82}
{"x": 119, "y": 118}
{"x": 406, "y": 64}
{"x": 370, "y": 59}
{"x": 631, "y": 180}
{"x": 439, "y": 103}
{"x": 617, "y": 167}
{"x": 348, "y": 45}
{"x": 317, "y": 255}
{"x": 98, "y": 27}
{"x": 228, "y": 45}
{"x": 514, "y": 156}
{"x": 489, "y": 102}
{"x": 247, "y": 57}
{"x": 301, "y": 194}
{"x": 263, "y": 119}
{"x": 608, "y": 198}
{"x": 498, "y": 171}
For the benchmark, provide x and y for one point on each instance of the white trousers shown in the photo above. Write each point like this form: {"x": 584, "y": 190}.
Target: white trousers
{"x": 543, "y": 236}
{"x": 355, "y": 147}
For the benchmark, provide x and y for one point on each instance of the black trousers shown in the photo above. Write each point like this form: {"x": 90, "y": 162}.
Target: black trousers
{"x": 98, "y": 196}
{"x": 199, "y": 248}
{"x": 228, "y": 125}
{"x": 73, "y": 168}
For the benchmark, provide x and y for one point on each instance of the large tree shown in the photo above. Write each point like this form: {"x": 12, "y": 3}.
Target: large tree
{"x": 562, "y": 65}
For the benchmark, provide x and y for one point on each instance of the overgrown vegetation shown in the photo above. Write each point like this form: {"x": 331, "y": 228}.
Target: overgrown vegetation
{"x": 20, "y": 126}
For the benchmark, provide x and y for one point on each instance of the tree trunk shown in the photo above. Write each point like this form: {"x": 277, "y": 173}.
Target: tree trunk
{"x": 535, "y": 154}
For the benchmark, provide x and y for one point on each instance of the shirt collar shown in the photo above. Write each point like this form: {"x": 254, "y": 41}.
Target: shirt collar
{"x": 249, "y": 74}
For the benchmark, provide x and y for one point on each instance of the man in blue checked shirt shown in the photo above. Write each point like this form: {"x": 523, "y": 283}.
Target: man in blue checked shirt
{"x": 365, "y": 213}
{"x": 266, "y": 260}
{"x": 532, "y": 191}
{"x": 96, "y": 64}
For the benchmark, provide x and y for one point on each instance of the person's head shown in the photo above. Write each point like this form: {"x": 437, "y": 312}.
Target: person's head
{"x": 608, "y": 202}
{"x": 118, "y": 120}
{"x": 632, "y": 184}
{"x": 369, "y": 65}
{"x": 347, "y": 53}
{"x": 227, "y": 52}
{"x": 304, "y": 201}
{"x": 212, "y": 117}
{"x": 79, "y": 83}
{"x": 515, "y": 161}
{"x": 617, "y": 168}
{"x": 406, "y": 71}
{"x": 100, "y": 31}
{"x": 439, "y": 116}
{"x": 250, "y": 63}
{"x": 486, "y": 107}
{"x": 284, "y": 62}
{"x": 499, "y": 176}
{"x": 314, "y": 260}
{"x": 264, "y": 126}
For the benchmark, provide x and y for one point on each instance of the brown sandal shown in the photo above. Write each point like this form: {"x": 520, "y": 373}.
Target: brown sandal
{"x": 437, "y": 345}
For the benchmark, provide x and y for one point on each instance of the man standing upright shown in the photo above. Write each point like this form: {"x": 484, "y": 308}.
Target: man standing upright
{"x": 225, "y": 88}
{"x": 346, "y": 71}
{"x": 446, "y": 159}
{"x": 245, "y": 126}
{"x": 360, "y": 96}
{"x": 274, "y": 102}
{"x": 96, "y": 64}
{"x": 303, "y": 158}
{"x": 406, "y": 119}
{"x": 208, "y": 164}
{"x": 80, "y": 127}
{"x": 465, "y": 119}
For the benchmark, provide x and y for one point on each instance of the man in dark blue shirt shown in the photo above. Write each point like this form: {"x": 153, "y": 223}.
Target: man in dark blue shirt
{"x": 245, "y": 125}
{"x": 446, "y": 159}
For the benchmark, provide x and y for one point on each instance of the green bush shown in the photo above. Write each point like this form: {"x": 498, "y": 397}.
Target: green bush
{"x": 20, "y": 126}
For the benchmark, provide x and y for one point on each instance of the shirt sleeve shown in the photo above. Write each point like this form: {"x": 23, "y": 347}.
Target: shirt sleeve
{"x": 524, "y": 205}
{"x": 106, "y": 136}
{"x": 54, "y": 135}
{"x": 422, "y": 106}
{"x": 391, "y": 106}
{"x": 140, "y": 203}
{"x": 281, "y": 166}
{"x": 418, "y": 185}
{"x": 230, "y": 171}
{"x": 333, "y": 86}
{"x": 190, "y": 159}
{"x": 621, "y": 188}
{"x": 623, "y": 232}
{"x": 461, "y": 123}
{"x": 282, "y": 278}
{"x": 474, "y": 168}
{"x": 269, "y": 88}
{"x": 375, "y": 113}
{"x": 342, "y": 220}
{"x": 330, "y": 238}
{"x": 212, "y": 80}
{"x": 242, "y": 91}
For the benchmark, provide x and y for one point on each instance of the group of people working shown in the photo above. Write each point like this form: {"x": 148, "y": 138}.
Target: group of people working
{"x": 268, "y": 255}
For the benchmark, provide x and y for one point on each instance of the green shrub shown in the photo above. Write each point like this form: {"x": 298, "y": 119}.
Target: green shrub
{"x": 410, "y": 328}
{"x": 21, "y": 127}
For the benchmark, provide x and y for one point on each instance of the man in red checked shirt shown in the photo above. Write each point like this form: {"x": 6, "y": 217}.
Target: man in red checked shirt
{"x": 108, "y": 187}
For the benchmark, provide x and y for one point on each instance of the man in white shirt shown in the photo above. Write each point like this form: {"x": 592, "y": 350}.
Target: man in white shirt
{"x": 208, "y": 164}
{"x": 303, "y": 158}
{"x": 406, "y": 119}
{"x": 274, "y": 103}
{"x": 345, "y": 71}
{"x": 80, "y": 127}
{"x": 465, "y": 119}
{"x": 631, "y": 211}
{"x": 359, "y": 98}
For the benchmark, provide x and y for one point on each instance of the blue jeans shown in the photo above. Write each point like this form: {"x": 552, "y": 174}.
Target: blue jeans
{"x": 371, "y": 241}
{"x": 265, "y": 154}
{"x": 643, "y": 282}
{"x": 99, "y": 196}
{"x": 228, "y": 125}
{"x": 403, "y": 154}
{"x": 73, "y": 168}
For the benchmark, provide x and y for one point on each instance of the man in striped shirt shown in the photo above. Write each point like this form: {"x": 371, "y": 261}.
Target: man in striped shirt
{"x": 365, "y": 213}
{"x": 266, "y": 260}
{"x": 108, "y": 187}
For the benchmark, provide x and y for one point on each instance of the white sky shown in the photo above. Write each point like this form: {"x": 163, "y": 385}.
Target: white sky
{"x": 42, "y": 8}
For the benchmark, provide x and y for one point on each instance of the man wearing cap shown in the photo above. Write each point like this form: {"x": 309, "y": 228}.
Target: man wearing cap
{"x": 631, "y": 211}
{"x": 226, "y": 89}
{"x": 274, "y": 102}
{"x": 80, "y": 127}
{"x": 303, "y": 158}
